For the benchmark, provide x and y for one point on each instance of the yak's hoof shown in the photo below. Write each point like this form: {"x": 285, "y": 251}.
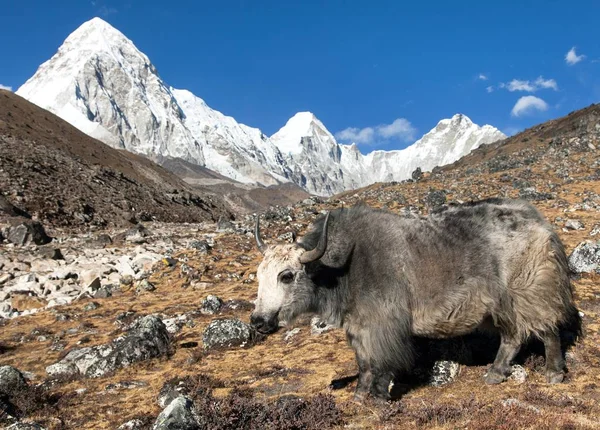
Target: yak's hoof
{"x": 554, "y": 377}
{"x": 359, "y": 397}
{"x": 493, "y": 377}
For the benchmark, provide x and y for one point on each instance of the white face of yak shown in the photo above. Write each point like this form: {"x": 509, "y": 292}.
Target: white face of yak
{"x": 277, "y": 275}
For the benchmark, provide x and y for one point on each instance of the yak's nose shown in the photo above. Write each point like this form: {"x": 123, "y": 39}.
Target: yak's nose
{"x": 258, "y": 322}
{"x": 264, "y": 325}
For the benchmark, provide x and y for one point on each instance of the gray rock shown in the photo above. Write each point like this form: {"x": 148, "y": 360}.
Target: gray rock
{"x": 595, "y": 230}
{"x": 145, "y": 285}
{"x": 518, "y": 374}
{"x": 532, "y": 194}
{"x": 91, "y": 306}
{"x": 290, "y": 334}
{"x": 443, "y": 372}
{"x": 574, "y": 224}
{"x": 25, "y": 426}
{"x": 50, "y": 252}
{"x": 417, "y": 174}
{"x": 134, "y": 424}
{"x": 585, "y": 258}
{"x": 45, "y": 265}
{"x": 435, "y": 199}
{"x": 227, "y": 333}
{"x": 224, "y": 225}
{"x": 211, "y": 305}
{"x": 180, "y": 414}
{"x": 317, "y": 326}
{"x": 11, "y": 380}
{"x": 175, "y": 324}
{"x": 200, "y": 245}
{"x": 25, "y": 231}
{"x": 5, "y": 277}
{"x": 4, "y": 296}
{"x": 147, "y": 338}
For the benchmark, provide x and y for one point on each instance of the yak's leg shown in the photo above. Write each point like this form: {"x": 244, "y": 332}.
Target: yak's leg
{"x": 365, "y": 377}
{"x": 501, "y": 368}
{"x": 382, "y": 384}
{"x": 555, "y": 363}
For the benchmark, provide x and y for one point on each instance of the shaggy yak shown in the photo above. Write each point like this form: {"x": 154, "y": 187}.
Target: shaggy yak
{"x": 386, "y": 279}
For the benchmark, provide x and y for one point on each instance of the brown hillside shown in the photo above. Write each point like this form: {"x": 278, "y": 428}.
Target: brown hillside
{"x": 64, "y": 177}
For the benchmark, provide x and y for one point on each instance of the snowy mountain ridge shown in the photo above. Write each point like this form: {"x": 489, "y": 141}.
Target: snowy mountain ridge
{"x": 102, "y": 84}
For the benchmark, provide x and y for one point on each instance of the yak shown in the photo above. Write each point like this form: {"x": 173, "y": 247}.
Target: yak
{"x": 387, "y": 279}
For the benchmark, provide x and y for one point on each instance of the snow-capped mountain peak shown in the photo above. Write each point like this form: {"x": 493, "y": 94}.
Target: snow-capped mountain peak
{"x": 100, "y": 82}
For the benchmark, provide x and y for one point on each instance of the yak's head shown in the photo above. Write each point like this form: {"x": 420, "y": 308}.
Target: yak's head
{"x": 284, "y": 288}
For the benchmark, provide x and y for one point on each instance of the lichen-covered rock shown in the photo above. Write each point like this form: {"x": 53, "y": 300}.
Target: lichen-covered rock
{"x": 518, "y": 374}
{"x": 11, "y": 380}
{"x": 211, "y": 305}
{"x": 585, "y": 258}
{"x": 180, "y": 414}
{"x": 25, "y": 426}
{"x": 147, "y": 338}
{"x": 227, "y": 333}
{"x": 443, "y": 372}
{"x": 435, "y": 199}
{"x": 134, "y": 424}
{"x": 201, "y": 245}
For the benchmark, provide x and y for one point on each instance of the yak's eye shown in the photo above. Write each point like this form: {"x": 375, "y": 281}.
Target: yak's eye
{"x": 286, "y": 277}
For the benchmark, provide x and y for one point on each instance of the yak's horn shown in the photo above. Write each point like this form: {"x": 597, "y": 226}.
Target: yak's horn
{"x": 259, "y": 243}
{"x": 315, "y": 254}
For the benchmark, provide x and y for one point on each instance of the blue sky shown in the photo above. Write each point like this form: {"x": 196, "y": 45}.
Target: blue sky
{"x": 379, "y": 72}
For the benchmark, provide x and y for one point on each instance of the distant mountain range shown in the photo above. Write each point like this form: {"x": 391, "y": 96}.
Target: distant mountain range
{"x": 102, "y": 84}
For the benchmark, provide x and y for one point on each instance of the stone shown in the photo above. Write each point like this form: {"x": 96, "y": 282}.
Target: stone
{"x": 146, "y": 338}
{"x": 103, "y": 292}
{"x": 224, "y": 225}
{"x": 43, "y": 266}
{"x": 227, "y": 333}
{"x": 443, "y": 372}
{"x": 134, "y": 424}
{"x": 585, "y": 258}
{"x": 289, "y": 237}
{"x": 595, "y": 231}
{"x": 435, "y": 199}
{"x": 417, "y": 174}
{"x": 175, "y": 324}
{"x": 201, "y": 245}
{"x": 91, "y": 306}
{"x": 518, "y": 374}
{"x": 290, "y": 334}
{"x": 532, "y": 194}
{"x": 145, "y": 285}
{"x": 11, "y": 380}
{"x": 180, "y": 414}
{"x": 25, "y": 426}
{"x": 318, "y": 326}
{"x": 5, "y": 277}
{"x": 4, "y": 296}
{"x": 49, "y": 252}
{"x": 211, "y": 305}
{"x": 573, "y": 224}
{"x": 25, "y": 231}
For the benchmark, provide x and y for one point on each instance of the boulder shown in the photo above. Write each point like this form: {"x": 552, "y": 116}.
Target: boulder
{"x": 211, "y": 305}
{"x": 147, "y": 338}
{"x": 227, "y": 333}
{"x": 23, "y": 231}
{"x": 11, "y": 380}
{"x": 443, "y": 372}
{"x": 585, "y": 258}
{"x": 435, "y": 199}
{"x": 180, "y": 414}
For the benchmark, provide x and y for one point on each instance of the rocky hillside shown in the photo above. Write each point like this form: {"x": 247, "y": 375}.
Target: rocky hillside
{"x": 63, "y": 177}
{"x": 184, "y": 294}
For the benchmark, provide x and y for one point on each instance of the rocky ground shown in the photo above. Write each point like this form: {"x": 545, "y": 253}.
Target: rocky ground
{"x": 146, "y": 327}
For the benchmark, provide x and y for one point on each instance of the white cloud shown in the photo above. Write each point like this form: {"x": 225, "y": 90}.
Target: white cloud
{"x": 540, "y": 82}
{"x": 400, "y": 129}
{"x": 527, "y": 105}
{"x": 357, "y": 135}
{"x": 530, "y": 86}
{"x": 490, "y": 89}
{"x": 5, "y": 87}
{"x": 572, "y": 58}
{"x": 482, "y": 77}
{"x": 517, "y": 85}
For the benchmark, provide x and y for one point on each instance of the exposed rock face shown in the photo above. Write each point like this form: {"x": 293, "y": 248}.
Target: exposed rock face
{"x": 147, "y": 338}
{"x": 227, "y": 333}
